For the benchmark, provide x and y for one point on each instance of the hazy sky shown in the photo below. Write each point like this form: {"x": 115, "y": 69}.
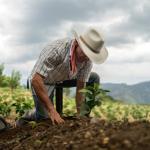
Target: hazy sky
{"x": 26, "y": 26}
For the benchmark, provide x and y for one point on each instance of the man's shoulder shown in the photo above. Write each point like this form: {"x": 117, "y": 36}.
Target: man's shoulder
{"x": 55, "y": 46}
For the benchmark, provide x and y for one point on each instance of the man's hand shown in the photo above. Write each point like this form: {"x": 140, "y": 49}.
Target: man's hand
{"x": 38, "y": 85}
{"x": 55, "y": 117}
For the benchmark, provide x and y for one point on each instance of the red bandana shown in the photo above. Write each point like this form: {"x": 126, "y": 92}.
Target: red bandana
{"x": 73, "y": 58}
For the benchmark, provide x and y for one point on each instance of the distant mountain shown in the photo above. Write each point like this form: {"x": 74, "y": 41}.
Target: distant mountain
{"x": 137, "y": 93}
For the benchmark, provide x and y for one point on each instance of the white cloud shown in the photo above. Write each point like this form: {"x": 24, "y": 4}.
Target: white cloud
{"x": 24, "y": 68}
{"x": 26, "y": 26}
{"x": 130, "y": 53}
{"x": 124, "y": 73}
{"x": 128, "y": 63}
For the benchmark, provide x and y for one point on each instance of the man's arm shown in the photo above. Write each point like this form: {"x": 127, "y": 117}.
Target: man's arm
{"x": 82, "y": 78}
{"x": 38, "y": 85}
{"x": 79, "y": 96}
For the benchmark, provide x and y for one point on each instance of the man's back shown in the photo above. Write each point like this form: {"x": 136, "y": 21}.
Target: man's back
{"x": 53, "y": 57}
{"x": 54, "y": 63}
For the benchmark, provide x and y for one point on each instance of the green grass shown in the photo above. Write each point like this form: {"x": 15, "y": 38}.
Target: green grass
{"x": 113, "y": 110}
{"x": 21, "y": 100}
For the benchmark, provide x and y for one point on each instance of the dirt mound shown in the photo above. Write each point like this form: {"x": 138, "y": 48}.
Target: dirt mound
{"x": 77, "y": 133}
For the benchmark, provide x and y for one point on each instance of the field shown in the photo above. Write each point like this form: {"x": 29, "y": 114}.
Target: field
{"x": 113, "y": 125}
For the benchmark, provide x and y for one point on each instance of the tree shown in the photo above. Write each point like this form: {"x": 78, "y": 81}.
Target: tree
{"x": 6, "y": 81}
{"x": 1, "y": 73}
{"x": 14, "y": 79}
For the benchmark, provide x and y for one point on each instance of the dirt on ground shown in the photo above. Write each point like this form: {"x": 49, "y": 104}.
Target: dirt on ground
{"x": 78, "y": 133}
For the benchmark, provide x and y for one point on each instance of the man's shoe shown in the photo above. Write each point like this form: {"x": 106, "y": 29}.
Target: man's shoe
{"x": 26, "y": 118}
{"x": 3, "y": 124}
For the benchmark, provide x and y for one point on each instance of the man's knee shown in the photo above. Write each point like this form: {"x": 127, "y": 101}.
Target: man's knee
{"x": 94, "y": 78}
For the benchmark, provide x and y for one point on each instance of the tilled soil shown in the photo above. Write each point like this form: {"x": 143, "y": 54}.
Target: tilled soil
{"x": 78, "y": 133}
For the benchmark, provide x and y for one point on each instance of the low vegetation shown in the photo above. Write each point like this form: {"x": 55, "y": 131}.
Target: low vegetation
{"x": 114, "y": 124}
{"x": 21, "y": 100}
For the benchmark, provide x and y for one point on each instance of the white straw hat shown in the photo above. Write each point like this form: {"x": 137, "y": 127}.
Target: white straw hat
{"x": 92, "y": 45}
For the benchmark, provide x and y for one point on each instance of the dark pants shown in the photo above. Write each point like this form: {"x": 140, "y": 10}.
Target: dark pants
{"x": 94, "y": 78}
{"x": 41, "y": 112}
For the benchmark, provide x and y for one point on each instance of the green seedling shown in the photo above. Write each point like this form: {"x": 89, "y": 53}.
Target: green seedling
{"x": 93, "y": 97}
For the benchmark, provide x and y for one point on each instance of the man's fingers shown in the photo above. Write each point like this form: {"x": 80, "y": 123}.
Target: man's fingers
{"x": 56, "y": 119}
{"x": 60, "y": 120}
{"x": 53, "y": 122}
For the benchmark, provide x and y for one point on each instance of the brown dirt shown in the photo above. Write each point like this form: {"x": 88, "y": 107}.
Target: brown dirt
{"x": 77, "y": 133}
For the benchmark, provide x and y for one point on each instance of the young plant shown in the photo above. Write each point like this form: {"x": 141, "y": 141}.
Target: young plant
{"x": 93, "y": 97}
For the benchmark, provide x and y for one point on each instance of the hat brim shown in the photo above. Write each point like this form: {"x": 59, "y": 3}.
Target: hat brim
{"x": 94, "y": 57}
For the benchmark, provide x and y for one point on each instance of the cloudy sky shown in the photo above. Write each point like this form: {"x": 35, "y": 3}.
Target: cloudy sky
{"x": 26, "y": 26}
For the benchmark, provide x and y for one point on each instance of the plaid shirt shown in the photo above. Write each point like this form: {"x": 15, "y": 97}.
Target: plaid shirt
{"x": 54, "y": 64}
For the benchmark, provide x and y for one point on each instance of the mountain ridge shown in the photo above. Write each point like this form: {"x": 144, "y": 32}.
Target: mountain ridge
{"x": 138, "y": 93}
{"x": 135, "y": 93}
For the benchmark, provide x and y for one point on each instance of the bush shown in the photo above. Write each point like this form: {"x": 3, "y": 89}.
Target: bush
{"x": 20, "y": 100}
